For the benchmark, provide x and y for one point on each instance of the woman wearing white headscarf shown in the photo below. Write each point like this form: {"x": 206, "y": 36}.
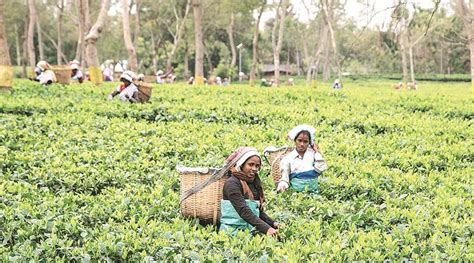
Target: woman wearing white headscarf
{"x": 243, "y": 198}
{"x": 46, "y": 75}
{"x": 302, "y": 166}
{"x": 76, "y": 73}
{"x": 127, "y": 91}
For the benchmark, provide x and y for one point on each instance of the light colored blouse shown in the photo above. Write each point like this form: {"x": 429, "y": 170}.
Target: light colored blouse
{"x": 127, "y": 92}
{"x": 294, "y": 163}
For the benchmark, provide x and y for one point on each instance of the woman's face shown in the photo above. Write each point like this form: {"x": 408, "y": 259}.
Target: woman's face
{"x": 252, "y": 165}
{"x": 126, "y": 82}
{"x": 302, "y": 142}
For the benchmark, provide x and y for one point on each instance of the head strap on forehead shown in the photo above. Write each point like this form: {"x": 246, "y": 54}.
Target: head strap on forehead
{"x": 241, "y": 155}
{"x": 298, "y": 129}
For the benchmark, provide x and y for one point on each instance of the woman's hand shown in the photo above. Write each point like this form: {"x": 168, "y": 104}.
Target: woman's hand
{"x": 315, "y": 147}
{"x": 277, "y": 225}
{"x": 110, "y": 97}
{"x": 272, "y": 232}
{"x": 282, "y": 186}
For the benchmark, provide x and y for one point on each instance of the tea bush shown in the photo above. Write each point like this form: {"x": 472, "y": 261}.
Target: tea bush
{"x": 86, "y": 179}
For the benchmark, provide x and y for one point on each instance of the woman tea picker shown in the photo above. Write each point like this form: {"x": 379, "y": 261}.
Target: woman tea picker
{"x": 127, "y": 91}
{"x": 302, "y": 166}
{"x": 242, "y": 204}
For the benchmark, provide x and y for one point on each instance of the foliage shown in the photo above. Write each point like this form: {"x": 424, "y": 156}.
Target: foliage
{"x": 365, "y": 50}
{"x": 83, "y": 179}
{"x": 224, "y": 71}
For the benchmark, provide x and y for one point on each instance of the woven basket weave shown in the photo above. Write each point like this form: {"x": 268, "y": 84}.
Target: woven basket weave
{"x": 144, "y": 91}
{"x": 274, "y": 155}
{"x": 205, "y": 204}
{"x": 63, "y": 74}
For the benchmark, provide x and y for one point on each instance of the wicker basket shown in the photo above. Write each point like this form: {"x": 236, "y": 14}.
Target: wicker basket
{"x": 273, "y": 156}
{"x": 63, "y": 74}
{"x": 150, "y": 79}
{"x": 204, "y": 205}
{"x": 6, "y": 76}
{"x": 144, "y": 91}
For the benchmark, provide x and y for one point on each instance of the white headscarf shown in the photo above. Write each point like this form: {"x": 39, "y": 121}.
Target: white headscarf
{"x": 43, "y": 65}
{"x": 128, "y": 75}
{"x": 303, "y": 127}
{"x": 243, "y": 154}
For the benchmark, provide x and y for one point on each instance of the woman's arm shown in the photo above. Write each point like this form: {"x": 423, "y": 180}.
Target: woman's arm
{"x": 285, "y": 175}
{"x": 233, "y": 190}
{"x": 320, "y": 164}
{"x": 134, "y": 98}
{"x": 267, "y": 219}
{"x": 113, "y": 94}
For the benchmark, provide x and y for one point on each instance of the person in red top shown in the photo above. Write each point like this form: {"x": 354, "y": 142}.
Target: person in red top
{"x": 127, "y": 91}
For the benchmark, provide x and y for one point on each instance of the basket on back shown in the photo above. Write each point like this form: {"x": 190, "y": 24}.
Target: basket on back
{"x": 63, "y": 74}
{"x": 205, "y": 204}
{"x": 150, "y": 79}
{"x": 6, "y": 76}
{"x": 274, "y": 155}
{"x": 144, "y": 91}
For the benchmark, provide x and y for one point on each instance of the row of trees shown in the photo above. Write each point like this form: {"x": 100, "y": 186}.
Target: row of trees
{"x": 200, "y": 36}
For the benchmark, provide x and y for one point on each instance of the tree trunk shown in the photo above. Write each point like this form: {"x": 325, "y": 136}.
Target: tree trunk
{"x": 441, "y": 69}
{"x": 137, "y": 28}
{"x": 467, "y": 14}
{"x": 277, "y": 49}
{"x": 40, "y": 38}
{"x": 17, "y": 45}
{"x": 59, "y": 29}
{"x": 132, "y": 54}
{"x": 230, "y": 33}
{"x": 31, "y": 31}
{"x": 327, "y": 63}
{"x": 180, "y": 28}
{"x": 153, "y": 54}
{"x": 26, "y": 72}
{"x": 287, "y": 61}
{"x": 327, "y": 57}
{"x": 4, "y": 51}
{"x": 298, "y": 66}
{"x": 253, "y": 71}
{"x": 412, "y": 67}
{"x": 403, "y": 48}
{"x": 199, "y": 45}
{"x": 82, "y": 27}
{"x": 186, "y": 62}
{"x": 313, "y": 75}
{"x": 328, "y": 15}
{"x": 91, "y": 40}
{"x": 6, "y": 72}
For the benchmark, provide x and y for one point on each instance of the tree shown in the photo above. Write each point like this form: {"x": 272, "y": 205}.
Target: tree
{"x": 4, "y": 52}
{"x": 253, "y": 71}
{"x": 280, "y": 14}
{"x": 5, "y": 63}
{"x": 132, "y": 55}
{"x": 30, "y": 34}
{"x": 91, "y": 40}
{"x": 328, "y": 14}
{"x": 83, "y": 25}
{"x": 60, "y": 7}
{"x": 180, "y": 28}
{"x": 467, "y": 13}
{"x": 198, "y": 42}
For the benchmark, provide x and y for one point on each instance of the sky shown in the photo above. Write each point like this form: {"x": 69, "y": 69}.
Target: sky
{"x": 380, "y": 10}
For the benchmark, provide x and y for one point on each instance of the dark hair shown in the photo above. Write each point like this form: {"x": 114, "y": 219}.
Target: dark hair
{"x": 304, "y": 132}
{"x": 124, "y": 80}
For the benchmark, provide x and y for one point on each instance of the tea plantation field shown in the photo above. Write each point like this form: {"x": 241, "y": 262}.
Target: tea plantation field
{"x": 86, "y": 179}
